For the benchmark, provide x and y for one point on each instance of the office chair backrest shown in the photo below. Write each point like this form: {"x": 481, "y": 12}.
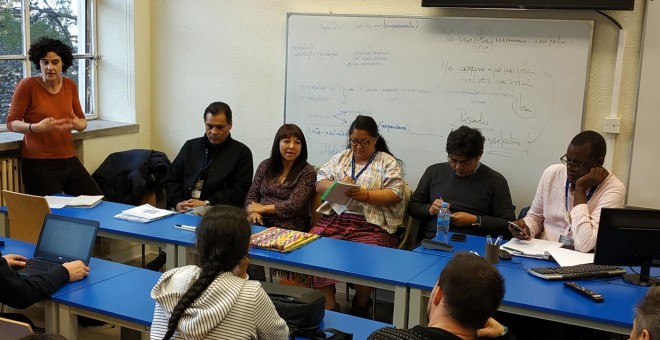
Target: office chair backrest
{"x": 26, "y": 215}
{"x": 12, "y": 330}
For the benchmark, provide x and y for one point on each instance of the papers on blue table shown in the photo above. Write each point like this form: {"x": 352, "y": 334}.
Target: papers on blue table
{"x": 531, "y": 248}
{"x": 567, "y": 257}
{"x": 143, "y": 214}
{"x": 82, "y": 201}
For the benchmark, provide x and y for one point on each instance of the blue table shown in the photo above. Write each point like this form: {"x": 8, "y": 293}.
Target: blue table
{"x": 123, "y": 300}
{"x": 549, "y": 300}
{"x": 132, "y": 307}
{"x": 100, "y": 271}
{"x": 160, "y": 233}
{"x": 369, "y": 265}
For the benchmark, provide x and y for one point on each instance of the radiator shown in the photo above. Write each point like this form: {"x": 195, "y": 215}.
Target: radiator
{"x": 10, "y": 176}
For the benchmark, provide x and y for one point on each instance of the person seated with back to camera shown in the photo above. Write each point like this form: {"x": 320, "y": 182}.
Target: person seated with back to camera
{"x": 215, "y": 300}
{"x": 646, "y": 325}
{"x": 461, "y": 306}
{"x": 283, "y": 184}
{"x": 479, "y": 197}
{"x": 377, "y": 207}
{"x": 570, "y": 196}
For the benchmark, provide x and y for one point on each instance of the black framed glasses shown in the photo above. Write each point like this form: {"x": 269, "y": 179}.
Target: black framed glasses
{"x": 364, "y": 143}
{"x": 574, "y": 165}
{"x": 454, "y": 162}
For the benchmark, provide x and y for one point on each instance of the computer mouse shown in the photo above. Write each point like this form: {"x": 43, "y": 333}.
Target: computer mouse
{"x": 505, "y": 255}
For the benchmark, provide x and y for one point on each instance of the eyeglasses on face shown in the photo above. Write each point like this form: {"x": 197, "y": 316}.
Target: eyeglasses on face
{"x": 364, "y": 143}
{"x": 574, "y": 165}
{"x": 463, "y": 162}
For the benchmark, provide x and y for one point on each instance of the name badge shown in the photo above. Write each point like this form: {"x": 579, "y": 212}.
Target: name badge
{"x": 197, "y": 189}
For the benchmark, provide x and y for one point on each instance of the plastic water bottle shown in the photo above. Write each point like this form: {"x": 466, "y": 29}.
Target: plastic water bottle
{"x": 442, "y": 232}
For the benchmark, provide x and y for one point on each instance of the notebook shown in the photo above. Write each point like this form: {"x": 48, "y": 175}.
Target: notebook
{"x": 62, "y": 239}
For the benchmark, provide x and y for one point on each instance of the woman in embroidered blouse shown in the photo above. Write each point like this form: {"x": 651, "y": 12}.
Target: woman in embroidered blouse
{"x": 283, "y": 184}
{"x": 45, "y": 108}
{"x": 377, "y": 207}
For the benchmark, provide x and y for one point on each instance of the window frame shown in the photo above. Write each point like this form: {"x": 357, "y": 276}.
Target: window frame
{"x": 87, "y": 15}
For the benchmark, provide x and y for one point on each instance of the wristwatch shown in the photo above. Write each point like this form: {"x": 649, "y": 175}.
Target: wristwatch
{"x": 207, "y": 203}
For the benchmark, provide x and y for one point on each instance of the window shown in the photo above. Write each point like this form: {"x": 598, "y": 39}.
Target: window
{"x": 24, "y": 21}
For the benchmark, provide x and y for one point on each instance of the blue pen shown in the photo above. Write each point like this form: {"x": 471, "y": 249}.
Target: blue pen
{"x": 498, "y": 240}
{"x": 438, "y": 194}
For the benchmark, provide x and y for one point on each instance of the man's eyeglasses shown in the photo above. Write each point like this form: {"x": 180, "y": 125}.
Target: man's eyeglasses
{"x": 454, "y": 162}
{"x": 574, "y": 165}
{"x": 364, "y": 143}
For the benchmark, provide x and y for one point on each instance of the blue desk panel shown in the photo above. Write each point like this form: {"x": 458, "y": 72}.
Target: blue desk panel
{"x": 125, "y": 296}
{"x": 361, "y": 328}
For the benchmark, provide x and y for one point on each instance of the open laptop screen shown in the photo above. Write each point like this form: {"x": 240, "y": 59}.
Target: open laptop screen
{"x": 64, "y": 239}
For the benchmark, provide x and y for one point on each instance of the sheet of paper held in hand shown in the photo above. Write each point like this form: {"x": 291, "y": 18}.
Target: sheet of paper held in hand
{"x": 336, "y": 192}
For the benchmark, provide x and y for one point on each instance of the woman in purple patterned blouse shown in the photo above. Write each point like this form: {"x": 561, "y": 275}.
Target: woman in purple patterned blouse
{"x": 283, "y": 184}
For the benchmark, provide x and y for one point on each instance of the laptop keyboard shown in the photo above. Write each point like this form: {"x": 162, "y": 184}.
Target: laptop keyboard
{"x": 41, "y": 265}
{"x": 581, "y": 271}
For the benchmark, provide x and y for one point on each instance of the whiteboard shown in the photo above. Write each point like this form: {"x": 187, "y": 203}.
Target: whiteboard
{"x": 522, "y": 82}
{"x": 644, "y": 182}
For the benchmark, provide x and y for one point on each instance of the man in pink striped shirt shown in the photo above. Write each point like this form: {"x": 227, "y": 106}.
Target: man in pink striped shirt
{"x": 569, "y": 197}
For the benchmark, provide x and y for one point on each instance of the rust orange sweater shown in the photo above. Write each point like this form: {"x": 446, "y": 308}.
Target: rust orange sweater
{"x": 32, "y": 103}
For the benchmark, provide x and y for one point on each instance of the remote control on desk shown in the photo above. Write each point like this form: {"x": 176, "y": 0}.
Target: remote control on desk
{"x": 431, "y": 244}
{"x": 584, "y": 291}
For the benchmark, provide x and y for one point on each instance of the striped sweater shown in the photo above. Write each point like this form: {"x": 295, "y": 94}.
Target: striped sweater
{"x": 230, "y": 308}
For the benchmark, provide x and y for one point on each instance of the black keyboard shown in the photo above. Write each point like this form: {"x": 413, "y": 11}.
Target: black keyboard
{"x": 41, "y": 265}
{"x": 581, "y": 271}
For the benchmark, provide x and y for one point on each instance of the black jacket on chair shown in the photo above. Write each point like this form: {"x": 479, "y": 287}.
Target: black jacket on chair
{"x": 125, "y": 176}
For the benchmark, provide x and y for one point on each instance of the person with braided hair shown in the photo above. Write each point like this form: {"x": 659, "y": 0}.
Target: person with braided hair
{"x": 215, "y": 299}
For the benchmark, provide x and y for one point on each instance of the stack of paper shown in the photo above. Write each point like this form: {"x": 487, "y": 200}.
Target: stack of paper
{"x": 336, "y": 192}
{"x": 82, "y": 201}
{"x": 143, "y": 214}
{"x": 531, "y": 248}
{"x": 279, "y": 239}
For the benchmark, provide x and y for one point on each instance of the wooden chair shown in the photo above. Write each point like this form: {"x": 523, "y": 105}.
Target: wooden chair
{"x": 12, "y": 330}
{"x": 26, "y": 215}
{"x": 409, "y": 237}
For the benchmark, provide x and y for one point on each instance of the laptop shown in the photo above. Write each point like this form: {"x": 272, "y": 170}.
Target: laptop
{"x": 62, "y": 239}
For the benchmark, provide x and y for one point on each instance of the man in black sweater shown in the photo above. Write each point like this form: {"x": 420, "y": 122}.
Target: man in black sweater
{"x": 21, "y": 292}
{"x": 479, "y": 197}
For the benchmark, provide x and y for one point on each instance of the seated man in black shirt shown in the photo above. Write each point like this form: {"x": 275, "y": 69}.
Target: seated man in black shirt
{"x": 462, "y": 303}
{"x": 479, "y": 197}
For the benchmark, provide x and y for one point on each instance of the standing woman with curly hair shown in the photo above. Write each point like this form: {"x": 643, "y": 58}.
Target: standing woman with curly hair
{"x": 215, "y": 300}
{"x": 45, "y": 108}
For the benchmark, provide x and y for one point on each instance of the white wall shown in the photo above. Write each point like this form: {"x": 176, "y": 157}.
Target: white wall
{"x": 234, "y": 51}
{"x": 165, "y": 61}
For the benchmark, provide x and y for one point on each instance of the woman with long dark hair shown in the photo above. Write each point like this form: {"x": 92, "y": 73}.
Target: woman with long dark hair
{"x": 215, "y": 300}
{"x": 283, "y": 184}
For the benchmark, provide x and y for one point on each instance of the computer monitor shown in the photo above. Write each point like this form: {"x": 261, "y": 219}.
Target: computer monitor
{"x": 630, "y": 237}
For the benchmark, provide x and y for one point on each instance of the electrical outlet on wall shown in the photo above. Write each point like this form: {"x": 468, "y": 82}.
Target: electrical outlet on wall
{"x": 612, "y": 125}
